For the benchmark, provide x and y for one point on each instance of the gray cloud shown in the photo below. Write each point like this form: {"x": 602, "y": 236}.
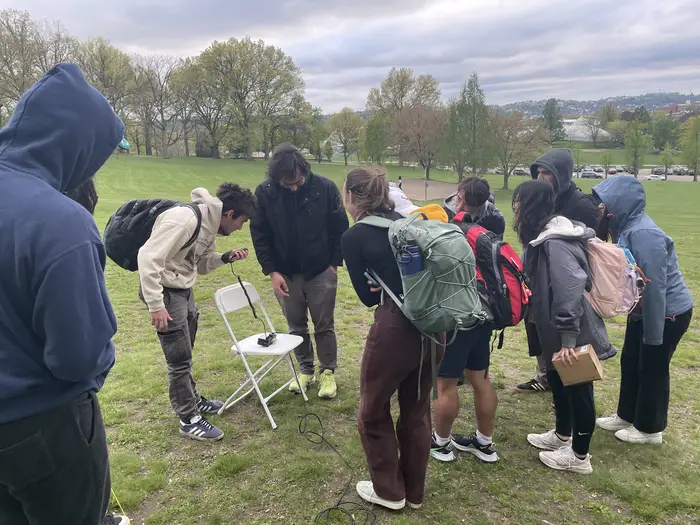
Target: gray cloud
{"x": 521, "y": 49}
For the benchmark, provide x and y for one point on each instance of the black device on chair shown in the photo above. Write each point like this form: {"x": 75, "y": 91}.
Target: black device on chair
{"x": 268, "y": 339}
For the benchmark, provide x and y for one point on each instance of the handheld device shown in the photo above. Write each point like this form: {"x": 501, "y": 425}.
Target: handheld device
{"x": 372, "y": 280}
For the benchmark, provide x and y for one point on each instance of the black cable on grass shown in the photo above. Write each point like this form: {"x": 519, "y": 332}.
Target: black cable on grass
{"x": 353, "y": 513}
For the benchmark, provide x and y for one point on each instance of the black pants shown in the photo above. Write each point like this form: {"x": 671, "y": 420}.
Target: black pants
{"x": 646, "y": 381}
{"x": 574, "y": 409}
{"x": 54, "y": 467}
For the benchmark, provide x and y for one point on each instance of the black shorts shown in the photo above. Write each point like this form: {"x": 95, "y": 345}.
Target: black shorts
{"x": 469, "y": 351}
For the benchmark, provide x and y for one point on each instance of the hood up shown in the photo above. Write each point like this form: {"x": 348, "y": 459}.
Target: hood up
{"x": 62, "y": 131}
{"x": 561, "y": 163}
{"x": 562, "y": 228}
{"x": 625, "y": 199}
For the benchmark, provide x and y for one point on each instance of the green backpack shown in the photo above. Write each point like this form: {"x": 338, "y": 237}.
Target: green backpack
{"x": 442, "y": 297}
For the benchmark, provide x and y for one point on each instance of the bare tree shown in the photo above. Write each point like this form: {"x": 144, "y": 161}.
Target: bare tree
{"x": 156, "y": 72}
{"x": 593, "y": 125}
{"x": 17, "y": 55}
{"x": 53, "y": 45}
{"x": 420, "y": 132}
{"x": 183, "y": 92}
{"x": 515, "y": 138}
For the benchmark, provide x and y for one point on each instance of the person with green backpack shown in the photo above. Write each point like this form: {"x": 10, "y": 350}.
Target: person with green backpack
{"x": 393, "y": 358}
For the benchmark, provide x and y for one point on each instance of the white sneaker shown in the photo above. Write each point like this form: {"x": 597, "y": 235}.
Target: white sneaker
{"x": 612, "y": 423}
{"x": 632, "y": 435}
{"x": 366, "y": 491}
{"x": 564, "y": 459}
{"x": 548, "y": 441}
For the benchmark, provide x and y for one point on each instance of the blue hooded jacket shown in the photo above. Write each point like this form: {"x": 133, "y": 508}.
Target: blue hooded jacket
{"x": 666, "y": 294}
{"x": 56, "y": 321}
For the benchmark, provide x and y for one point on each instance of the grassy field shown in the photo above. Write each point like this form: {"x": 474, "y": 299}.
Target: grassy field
{"x": 260, "y": 476}
{"x": 591, "y": 155}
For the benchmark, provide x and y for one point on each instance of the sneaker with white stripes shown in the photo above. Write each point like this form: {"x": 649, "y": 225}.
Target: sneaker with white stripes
{"x": 200, "y": 429}
{"x": 208, "y": 406}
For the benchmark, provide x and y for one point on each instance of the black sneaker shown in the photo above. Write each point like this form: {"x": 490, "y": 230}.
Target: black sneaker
{"x": 111, "y": 519}
{"x": 200, "y": 429}
{"x": 532, "y": 386}
{"x": 470, "y": 444}
{"x": 209, "y": 406}
{"x": 443, "y": 453}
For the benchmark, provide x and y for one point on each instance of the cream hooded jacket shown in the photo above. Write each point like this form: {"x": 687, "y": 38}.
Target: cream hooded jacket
{"x": 163, "y": 262}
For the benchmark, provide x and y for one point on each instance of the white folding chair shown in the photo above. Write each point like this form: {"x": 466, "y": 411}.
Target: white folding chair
{"x": 231, "y": 299}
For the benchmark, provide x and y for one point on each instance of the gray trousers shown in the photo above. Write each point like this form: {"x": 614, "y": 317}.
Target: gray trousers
{"x": 541, "y": 373}
{"x": 177, "y": 342}
{"x": 316, "y": 297}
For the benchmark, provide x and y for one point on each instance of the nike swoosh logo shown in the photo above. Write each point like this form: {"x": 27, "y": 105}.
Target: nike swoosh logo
{"x": 583, "y": 434}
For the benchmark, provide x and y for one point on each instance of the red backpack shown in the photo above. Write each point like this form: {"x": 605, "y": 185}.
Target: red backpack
{"x": 499, "y": 274}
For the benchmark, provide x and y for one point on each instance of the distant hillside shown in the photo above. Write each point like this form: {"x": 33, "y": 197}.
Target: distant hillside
{"x": 651, "y": 101}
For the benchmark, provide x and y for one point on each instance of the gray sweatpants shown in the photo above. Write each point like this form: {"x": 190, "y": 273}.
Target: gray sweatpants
{"x": 316, "y": 296}
{"x": 177, "y": 342}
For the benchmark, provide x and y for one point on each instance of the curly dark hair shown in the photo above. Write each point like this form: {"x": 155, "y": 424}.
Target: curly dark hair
{"x": 240, "y": 200}
{"x": 284, "y": 162}
{"x": 535, "y": 201}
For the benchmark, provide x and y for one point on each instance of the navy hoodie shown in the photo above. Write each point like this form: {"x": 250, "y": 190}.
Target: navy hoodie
{"x": 56, "y": 321}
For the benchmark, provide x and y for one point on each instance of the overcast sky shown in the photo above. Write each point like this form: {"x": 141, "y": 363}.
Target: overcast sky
{"x": 522, "y": 49}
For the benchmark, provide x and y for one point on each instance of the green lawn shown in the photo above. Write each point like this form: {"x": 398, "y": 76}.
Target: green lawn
{"x": 260, "y": 476}
{"x": 618, "y": 158}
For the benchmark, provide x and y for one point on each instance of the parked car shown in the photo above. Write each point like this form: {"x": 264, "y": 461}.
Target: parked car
{"x": 598, "y": 169}
{"x": 680, "y": 170}
{"x": 612, "y": 171}
{"x": 520, "y": 172}
{"x": 590, "y": 175}
{"x": 653, "y": 177}
{"x": 658, "y": 170}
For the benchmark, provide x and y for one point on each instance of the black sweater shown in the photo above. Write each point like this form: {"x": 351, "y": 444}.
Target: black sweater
{"x": 367, "y": 247}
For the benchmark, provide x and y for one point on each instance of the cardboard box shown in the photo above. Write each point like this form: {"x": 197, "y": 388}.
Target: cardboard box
{"x": 587, "y": 368}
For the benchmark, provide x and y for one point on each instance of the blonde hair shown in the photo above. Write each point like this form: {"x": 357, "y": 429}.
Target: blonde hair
{"x": 370, "y": 189}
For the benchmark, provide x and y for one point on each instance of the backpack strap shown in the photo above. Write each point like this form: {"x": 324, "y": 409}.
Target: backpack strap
{"x": 376, "y": 221}
{"x": 198, "y": 213}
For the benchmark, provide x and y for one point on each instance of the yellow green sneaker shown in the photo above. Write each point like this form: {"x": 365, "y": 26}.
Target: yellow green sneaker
{"x": 328, "y": 388}
{"x": 305, "y": 380}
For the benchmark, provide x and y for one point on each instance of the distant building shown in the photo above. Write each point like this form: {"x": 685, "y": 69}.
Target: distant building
{"x": 577, "y": 129}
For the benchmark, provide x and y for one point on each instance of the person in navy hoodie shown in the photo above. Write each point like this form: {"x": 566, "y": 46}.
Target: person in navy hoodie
{"x": 56, "y": 321}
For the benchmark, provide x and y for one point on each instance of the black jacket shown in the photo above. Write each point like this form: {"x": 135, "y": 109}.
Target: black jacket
{"x": 299, "y": 232}
{"x": 572, "y": 203}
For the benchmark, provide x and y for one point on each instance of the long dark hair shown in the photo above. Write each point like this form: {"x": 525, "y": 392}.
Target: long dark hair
{"x": 534, "y": 200}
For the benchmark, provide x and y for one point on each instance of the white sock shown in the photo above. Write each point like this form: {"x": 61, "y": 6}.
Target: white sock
{"x": 482, "y": 439}
{"x": 440, "y": 440}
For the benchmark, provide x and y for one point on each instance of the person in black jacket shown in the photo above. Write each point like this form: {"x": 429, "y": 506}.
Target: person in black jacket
{"x": 296, "y": 234}
{"x": 557, "y": 167}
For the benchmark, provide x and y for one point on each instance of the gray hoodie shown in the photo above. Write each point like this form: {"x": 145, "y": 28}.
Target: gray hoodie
{"x": 557, "y": 267}
{"x": 666, "y": 295}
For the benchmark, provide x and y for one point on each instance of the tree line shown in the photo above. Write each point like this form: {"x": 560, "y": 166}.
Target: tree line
{"x": 639, "y": 132}
{"x": 243, "y": 96}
